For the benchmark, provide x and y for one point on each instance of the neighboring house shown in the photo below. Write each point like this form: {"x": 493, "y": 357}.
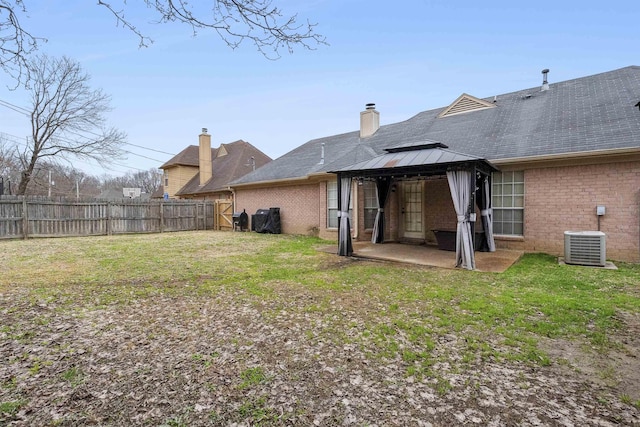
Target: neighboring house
{"x": 200, "y": 172}
{"x": 558, "y": 152}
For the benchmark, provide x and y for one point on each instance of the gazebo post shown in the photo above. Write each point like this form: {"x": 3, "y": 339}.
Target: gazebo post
{"x": 340, "y": 242}
{"x": 472, "y": 208}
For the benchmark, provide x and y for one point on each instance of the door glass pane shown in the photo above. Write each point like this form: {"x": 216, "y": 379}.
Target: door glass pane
{"x": 412, "y": 207}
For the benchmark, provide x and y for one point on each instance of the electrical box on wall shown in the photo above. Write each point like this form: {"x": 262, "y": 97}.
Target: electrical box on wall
{"x": 600, "y": 210}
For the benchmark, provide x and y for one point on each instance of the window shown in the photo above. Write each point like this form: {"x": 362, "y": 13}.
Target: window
{"x": 332, "y": 205}
{"x": 370, "y": 203}
{"x": 166, "y": 178}
{"x": 508, "y": 203}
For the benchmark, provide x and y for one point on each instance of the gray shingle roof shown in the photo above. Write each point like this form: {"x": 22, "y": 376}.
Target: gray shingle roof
{"x": 585, "y": 114}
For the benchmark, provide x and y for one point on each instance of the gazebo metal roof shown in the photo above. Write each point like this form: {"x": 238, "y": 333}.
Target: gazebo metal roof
{"x": 429, "y": 158}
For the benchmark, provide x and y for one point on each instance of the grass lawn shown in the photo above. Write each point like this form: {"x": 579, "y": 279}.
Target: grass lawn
{"x": 214, "y": 328}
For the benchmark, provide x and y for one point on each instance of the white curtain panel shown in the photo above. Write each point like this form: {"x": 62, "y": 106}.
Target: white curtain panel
{"x": 487, "y": 215}
{"x": 460, "y": 186}
{"x": 382, "y": 190}
{"x": 345, "y": 247}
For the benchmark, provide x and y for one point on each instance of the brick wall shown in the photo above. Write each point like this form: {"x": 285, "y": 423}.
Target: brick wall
{"x": 439, "y": 211}
{"x": 559, "y": 199}
{"x": 300, "y": 205}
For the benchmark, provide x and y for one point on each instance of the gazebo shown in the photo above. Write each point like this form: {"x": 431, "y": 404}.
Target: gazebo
{"x": 469, "y": 179}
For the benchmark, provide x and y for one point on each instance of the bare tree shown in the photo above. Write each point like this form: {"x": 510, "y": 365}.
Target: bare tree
{"x": 148, "y": 181}
{"x": 8, "y": 168}
{"x": 67, "y": 118}
{"x": 258, "y": 22}
{"x": 16, "y": 43}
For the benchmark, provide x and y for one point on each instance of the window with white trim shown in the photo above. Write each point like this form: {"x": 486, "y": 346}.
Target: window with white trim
{"x": 370, "y": 203}
{"x": 508, "y": 203}
{"x": 332, "y": 205}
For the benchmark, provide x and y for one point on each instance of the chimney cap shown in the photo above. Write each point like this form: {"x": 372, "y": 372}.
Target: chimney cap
{"x": 204, "y": 130}
{"x": 370, "y": 106}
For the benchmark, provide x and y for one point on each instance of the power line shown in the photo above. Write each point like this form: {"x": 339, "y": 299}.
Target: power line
{"x": 15, "y": 108}
{"x": 27, "y": 113}
{"x": 126, "y": 143}
{"x": 16, "y": 139}
{"x": 150, "y": 149}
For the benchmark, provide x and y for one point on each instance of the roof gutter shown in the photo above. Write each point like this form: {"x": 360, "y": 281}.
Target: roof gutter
{"x": 613, "y": 155}
{"x": 295, "y": 180}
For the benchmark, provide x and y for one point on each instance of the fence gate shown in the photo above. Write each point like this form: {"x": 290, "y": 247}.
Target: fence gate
{"x": 224, "y": 215}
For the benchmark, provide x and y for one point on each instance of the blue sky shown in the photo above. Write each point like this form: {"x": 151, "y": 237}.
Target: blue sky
{"x": 407, "y": 57}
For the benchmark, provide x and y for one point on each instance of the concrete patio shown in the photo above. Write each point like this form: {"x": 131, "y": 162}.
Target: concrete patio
{"x": 494, "y": 262}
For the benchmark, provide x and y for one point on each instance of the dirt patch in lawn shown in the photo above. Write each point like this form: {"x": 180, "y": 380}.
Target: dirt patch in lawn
{"x": 617, "y": 368}
{"x": 310, "y": 358}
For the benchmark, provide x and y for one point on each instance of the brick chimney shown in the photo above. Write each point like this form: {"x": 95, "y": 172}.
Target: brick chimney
{"x": 204, "y": 157}
{"x": 369, "y": 121}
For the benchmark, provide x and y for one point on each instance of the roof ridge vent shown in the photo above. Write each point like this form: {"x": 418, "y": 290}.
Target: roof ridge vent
{"x": 466, "y": 104}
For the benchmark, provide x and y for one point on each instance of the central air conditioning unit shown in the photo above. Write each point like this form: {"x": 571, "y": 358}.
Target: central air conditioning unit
{"x": 585, "y": 248}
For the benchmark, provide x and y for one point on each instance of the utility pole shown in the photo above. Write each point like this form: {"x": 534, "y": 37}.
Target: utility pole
{"x": 49, "y": 184}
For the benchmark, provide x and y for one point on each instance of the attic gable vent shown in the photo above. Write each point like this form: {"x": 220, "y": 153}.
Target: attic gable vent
{"x": 222, "y": 151}
{"x": 465, "y": 104}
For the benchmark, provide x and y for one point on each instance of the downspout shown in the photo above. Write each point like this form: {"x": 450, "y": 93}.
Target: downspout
{"x": 233, "y": 197}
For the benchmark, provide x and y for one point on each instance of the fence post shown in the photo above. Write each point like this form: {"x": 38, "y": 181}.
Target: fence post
{"x": 195, "y": 215}
{"x": 25, "y": 219}
{"x": 161, "y": 217}
{"x": 216, "y": 218}
{"x": 204, "y": 215}
{"x": 108, "y": 218}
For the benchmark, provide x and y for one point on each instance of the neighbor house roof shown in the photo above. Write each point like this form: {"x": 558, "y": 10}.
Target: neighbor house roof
{"x": 229, "y": 162}
{"x": 591, "y": 113}
{"x": 187, "y": 157}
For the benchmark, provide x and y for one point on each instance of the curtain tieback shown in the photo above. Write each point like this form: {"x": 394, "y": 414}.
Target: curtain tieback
{"x": 343, "y": 214}
{"x": 461, "y": 218}
{"x": 486, "y": 212}
{"x": 381, "y": 210}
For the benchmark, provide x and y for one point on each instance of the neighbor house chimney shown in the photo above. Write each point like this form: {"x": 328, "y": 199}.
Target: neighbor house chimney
{"x": 545, "y": 83}
{"x": 204, "y": 157}
{"x": 369, "y": 121}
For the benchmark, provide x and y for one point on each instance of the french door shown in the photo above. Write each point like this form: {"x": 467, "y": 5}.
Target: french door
{"x": 411, "y": 208}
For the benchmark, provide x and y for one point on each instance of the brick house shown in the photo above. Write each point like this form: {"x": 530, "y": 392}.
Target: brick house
{"x": 202, "y": 172}
{"x": 554, "y": 153}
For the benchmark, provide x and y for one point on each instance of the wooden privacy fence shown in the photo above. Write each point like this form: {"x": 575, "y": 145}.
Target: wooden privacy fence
{"x": 24, "y": 217}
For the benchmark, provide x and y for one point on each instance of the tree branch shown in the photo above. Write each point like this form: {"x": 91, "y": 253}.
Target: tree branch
{"x": 235, "y": 21}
